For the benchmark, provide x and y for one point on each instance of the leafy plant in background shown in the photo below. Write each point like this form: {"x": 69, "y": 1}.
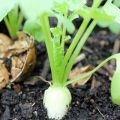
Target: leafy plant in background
{"x": 57, "y": 97}
{"x": 113, "y": 26}
{"x": 13, "y": 21}
{"x": 13, "y": 17}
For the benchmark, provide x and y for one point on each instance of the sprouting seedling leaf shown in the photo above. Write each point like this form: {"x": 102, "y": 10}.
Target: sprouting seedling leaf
{"x": 68, "y": 37}
{"x": 66, "y": 22}
{"x": 113, "y": 26}
{"x": 112, "y": 10}
{"x": 57, "y": 31}
{"x": 6, "y": 6}
{"x": 98, "y": 14}
{"x": 60, "y": 6}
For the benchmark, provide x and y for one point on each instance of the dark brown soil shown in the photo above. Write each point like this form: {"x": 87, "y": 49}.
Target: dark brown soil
{"x": 87, "y": 103}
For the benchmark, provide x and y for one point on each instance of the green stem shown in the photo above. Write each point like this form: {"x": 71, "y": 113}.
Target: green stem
{"x": 11, "y": 32}
{"x": 93, "y": 71}
{"x": 73, "y": 44}
{"x": 20, "y": 19}
{"x": 45, "y": 26}
{"x": 96, "y": 4}
{"x": 64, "y": 30}
{"x": 13, "y": 21}
{"x": 78, "y": 49}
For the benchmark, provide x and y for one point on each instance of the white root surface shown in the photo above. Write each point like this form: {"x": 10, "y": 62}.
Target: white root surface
{"x": 56, "y": 101}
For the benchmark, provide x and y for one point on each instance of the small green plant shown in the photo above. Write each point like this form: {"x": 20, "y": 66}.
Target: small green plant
{"x": 57, "y": 97}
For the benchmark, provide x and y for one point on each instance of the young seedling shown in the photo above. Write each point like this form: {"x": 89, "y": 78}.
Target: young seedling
{"x": 57, "y": 97}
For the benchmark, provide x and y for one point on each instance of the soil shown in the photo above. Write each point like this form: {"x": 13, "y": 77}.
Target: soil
{"x": 24, "y": 101}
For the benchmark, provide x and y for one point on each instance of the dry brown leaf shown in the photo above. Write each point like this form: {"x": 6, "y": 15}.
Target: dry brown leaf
{"x": 95, "y": 84}
{"x": 77, "y": 72}
{"x": 35, "y": 79}
{"x": 4, "y": 75}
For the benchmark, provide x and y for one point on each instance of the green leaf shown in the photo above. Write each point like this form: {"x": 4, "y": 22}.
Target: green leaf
{"x": 73, "y": 16}
{"x": 34, "y": 28}
{"x": 103, "y": 24}
{"x": 116, "y": 2}
{"x": 112, "y": 10}
{"x": 76, "y": 4}
{"x": 72, "y": 5}
{"x": 100, "y": 15}
{"x": 60, "y": 6}
{"x": 34, "y": 8}
{"x": 83, "y": 12}
{"x": 112, "y": 26}
{"x": 66, "y": 22}
{"x": 115, "y": 84}
{"x": 69, "y": 25}
{"x": 96, "y": 3}
{"x": 57, "y": 31}
{"x": 115, "y": 28}
{"x": 5, "y": 7}
{"x": 13, "y": 18}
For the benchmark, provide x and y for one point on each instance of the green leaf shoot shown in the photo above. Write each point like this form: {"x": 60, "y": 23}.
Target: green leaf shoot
{"x": 33, "y": 27}
{"x": 5, "y": 7}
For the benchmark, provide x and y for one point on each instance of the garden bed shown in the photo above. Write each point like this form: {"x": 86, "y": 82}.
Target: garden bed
{"x": 24, "y": 101}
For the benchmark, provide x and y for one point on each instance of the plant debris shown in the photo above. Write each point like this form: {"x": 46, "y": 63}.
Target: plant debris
{"x": 77, "y": 72}
{"x": 22, "y": 55}
{"x": 4, "y": 75}
{"x": 33, "y": 80}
